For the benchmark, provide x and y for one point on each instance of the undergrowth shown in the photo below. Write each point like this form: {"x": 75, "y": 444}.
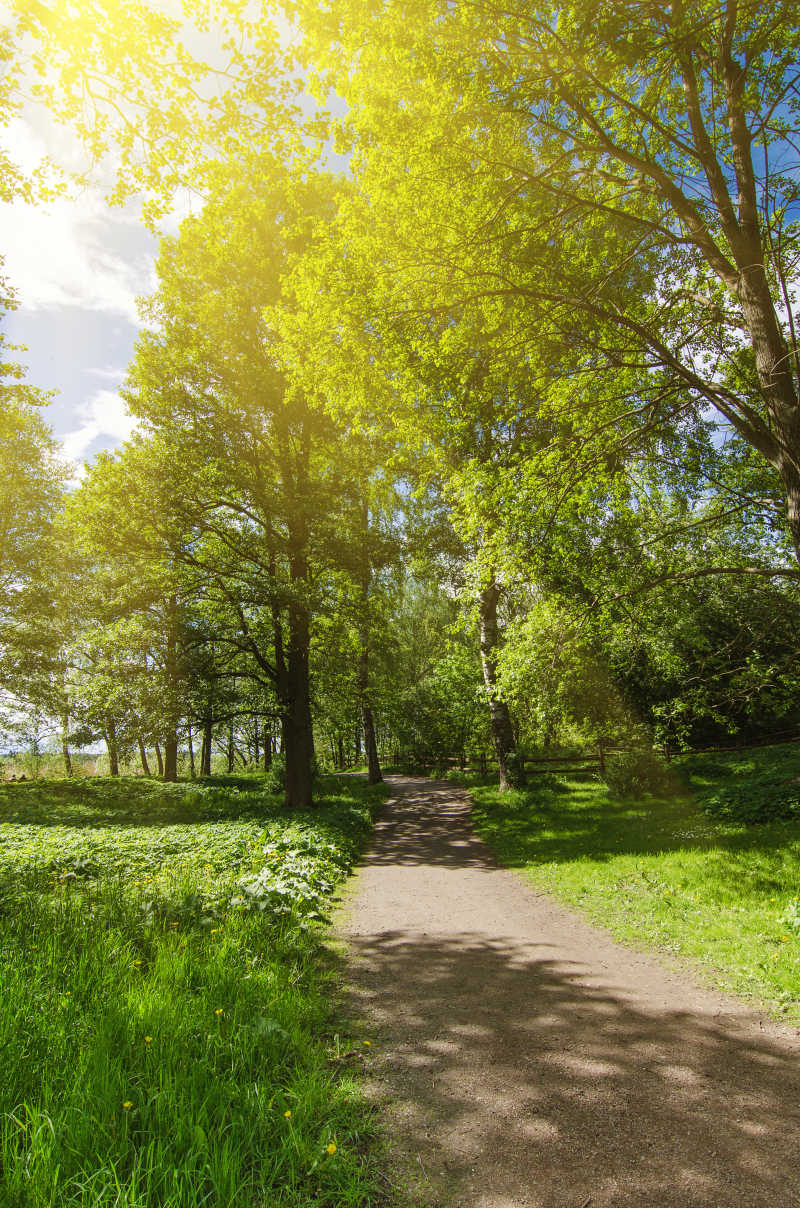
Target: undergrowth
{"x": 166, "y": 1034}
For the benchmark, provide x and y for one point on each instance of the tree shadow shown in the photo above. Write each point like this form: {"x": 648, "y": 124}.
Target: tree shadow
{"x": 512, "y": 1075}
{"x": 507, "y": 1067}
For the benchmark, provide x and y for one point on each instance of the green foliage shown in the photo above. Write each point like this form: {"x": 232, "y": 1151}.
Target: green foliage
{"x": 636, "y": 772}
{"x": 756, "y": 786}
{"x": 759, "y": 799}
{"x": 154, "y": 1033}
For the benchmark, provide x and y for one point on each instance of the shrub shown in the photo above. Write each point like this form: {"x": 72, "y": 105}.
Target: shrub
{"x": 763, "y": 797}
{"x": 635, "y": 772}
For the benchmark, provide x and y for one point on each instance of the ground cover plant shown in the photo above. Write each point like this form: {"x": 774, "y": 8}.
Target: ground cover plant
{"x": 166, "y": 1037}
{"x": 664, "y": 872}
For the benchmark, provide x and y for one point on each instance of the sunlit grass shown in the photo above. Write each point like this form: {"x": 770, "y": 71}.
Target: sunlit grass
{"x": 661, "y": 873}
{"x": 152, "y": 1041}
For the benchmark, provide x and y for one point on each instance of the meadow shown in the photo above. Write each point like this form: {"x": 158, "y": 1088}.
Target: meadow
{"x": 663, "y": 873}
{"x": 167, "y": 1033}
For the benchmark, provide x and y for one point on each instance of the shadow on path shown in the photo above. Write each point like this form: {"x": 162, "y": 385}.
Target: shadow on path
{"x": 538, "y": 1063}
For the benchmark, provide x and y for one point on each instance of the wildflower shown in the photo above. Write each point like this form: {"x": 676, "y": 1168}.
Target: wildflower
{"x": 137, "y": 963}
{"x": 127, "y": 1105}
{"x": 367, "y": 1042}
{"x": 331, "y": 1148}
{"x": 288, "y": 1115}
{"x": 147, "y": 1039}
{"x": 218, "y": 1011}
{"x": 784, "y": 938}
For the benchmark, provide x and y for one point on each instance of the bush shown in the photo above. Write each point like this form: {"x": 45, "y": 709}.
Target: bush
{"x": 763, "y": 797}
{"x": 633, "y": 773}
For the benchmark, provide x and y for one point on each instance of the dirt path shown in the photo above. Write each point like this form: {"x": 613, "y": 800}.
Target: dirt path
{"x": 525, "y": 1060}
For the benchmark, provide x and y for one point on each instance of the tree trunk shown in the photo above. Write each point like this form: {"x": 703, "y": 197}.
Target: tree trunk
{"x": 111, "y": 743}
{"x": 502, "y": 733}
{"x": 340, "y": 752}
{"x": 267, "y": 746}
{"x": 65, "y": 744}
{"x": 143, "y": 756}
{"x": 171, "y": 668}
{"x": 367, "y": 720}
{"x": 298, "y": 735}
{"x": 171, "y": 758}
{"x": 358, "y": 744}
{"x": 231, "y": 749}
{"x": 374, "y": 775}
{"x": 205, "y": 754}
{"x": 191, "y": 751}
{"x": 159, "y": 760}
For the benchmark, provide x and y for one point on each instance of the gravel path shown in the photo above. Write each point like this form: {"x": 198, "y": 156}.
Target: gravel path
{"x": 525, "y": 1060}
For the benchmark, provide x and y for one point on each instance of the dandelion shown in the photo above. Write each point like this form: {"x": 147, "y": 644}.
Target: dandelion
{"x": 218, "y": 1011}
{"x": 148, "y": 1039}
{"x": 331, "y": 1148}
{"x": 367, "y": 1043}
{"x": 127, "y": 1105}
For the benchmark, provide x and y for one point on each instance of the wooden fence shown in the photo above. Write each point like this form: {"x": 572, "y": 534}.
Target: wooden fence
{"x": 586, "y": 762}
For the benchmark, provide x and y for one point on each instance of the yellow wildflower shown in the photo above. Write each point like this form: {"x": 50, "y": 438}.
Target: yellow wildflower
{"x": 331, "y": 1148}
{"x": 127, "y": 1105}
{"x": 218, "y": 1011}
{"x": 147, "y": 1039}
{"x": 288, "y": 1115}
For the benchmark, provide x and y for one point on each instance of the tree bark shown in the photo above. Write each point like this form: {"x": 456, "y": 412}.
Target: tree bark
{"x": 65, "y": 744}
{"x": 143, "y": 756}
{"x": 502, "y": 732}
{"x": 374, "y": 775}
{"x": 171, "y": 668}
{"x": 205, "y": 753}
{"x": 113, "y": 750}
{"x": 267, "y": 746}
{"x": 231, "y": 749}
{"x": 191, "y": 751}
{"x": 358, "y": 744}
{"x": 298, "y": 734}
{"x": 159, "y": 760}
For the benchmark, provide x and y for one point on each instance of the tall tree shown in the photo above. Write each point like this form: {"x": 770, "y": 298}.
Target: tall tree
{"x": 621, "y": 174}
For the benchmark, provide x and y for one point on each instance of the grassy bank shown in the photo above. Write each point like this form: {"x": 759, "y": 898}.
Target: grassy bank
{"x": 166, "y": 1037}
{"x": 661, "y": 873}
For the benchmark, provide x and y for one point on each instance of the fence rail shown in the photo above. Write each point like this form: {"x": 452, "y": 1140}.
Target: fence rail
{"x": 541, "y": 764}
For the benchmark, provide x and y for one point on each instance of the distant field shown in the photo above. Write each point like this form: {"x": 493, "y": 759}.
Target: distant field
{"x": 166, "y": 1037}
{"x": 661, "y": 873}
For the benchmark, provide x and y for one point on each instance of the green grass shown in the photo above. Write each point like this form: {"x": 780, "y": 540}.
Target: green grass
{"x": 166, "y": 1031}
{"x": 662, "y": 874}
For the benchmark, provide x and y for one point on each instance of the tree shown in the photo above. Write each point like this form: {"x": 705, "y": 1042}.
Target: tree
{"x": 266, "y": 471}
{"x": 621, "y": 175}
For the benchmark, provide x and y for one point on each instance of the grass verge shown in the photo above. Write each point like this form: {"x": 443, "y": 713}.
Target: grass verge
{"x": 166, "y": 1033}
{"x": 660, "y": 873}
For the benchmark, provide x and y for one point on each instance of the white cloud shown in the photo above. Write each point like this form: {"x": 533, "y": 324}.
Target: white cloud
{"x": 71, "y": 253}
{"x": 104, "y": 414}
